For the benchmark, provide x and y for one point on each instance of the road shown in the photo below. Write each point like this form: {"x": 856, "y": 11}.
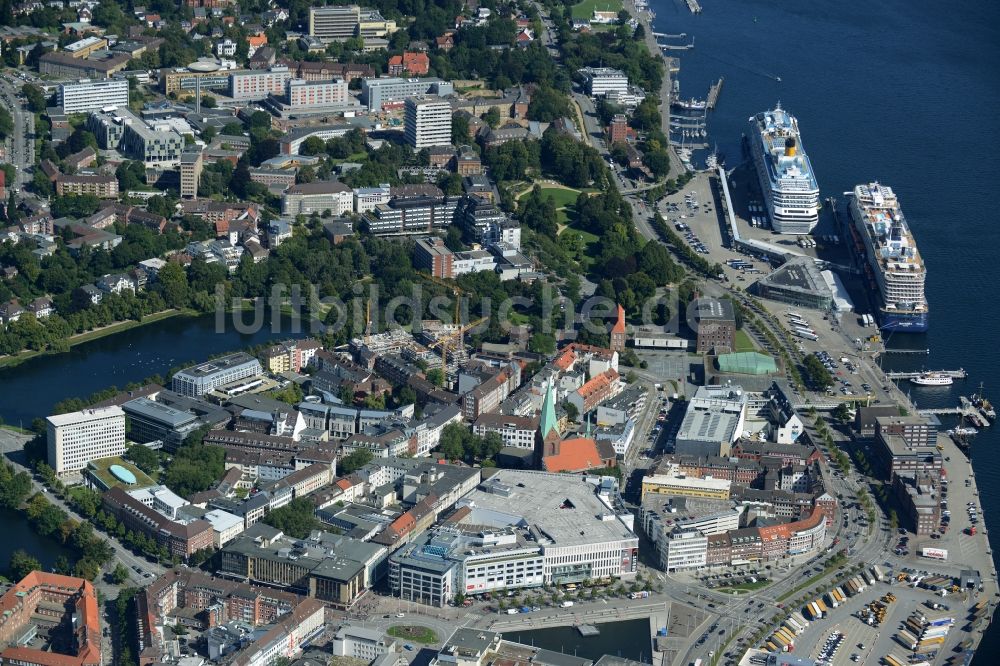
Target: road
{"x": 20, "y": 146}
{"x": 11, "y": 444}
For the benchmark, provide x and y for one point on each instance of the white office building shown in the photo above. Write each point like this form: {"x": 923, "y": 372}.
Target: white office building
{"x": 91, "y": 95}
{"x": 427, "y": 122}
{"x": 685, "y": 550}
{"x": 76, "y": 438}
{"x": 200, "y": 379}
{"x": 602, "y": 80}
{"x": 367, "y": 198}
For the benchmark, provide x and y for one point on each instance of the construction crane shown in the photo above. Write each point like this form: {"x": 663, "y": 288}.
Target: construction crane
{"x": 445, "y": 341}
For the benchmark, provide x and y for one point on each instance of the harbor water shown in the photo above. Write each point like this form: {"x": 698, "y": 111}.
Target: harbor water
{"x": 628, "y": 639}
{"x": 900, "y": 91}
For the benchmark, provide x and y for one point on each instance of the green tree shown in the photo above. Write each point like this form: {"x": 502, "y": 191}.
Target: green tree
{"x": 6, "y": 123}
{"x": 572, "y": 413}
{"x": 172, "y": 283}
{"x": 22, "y": 564}
{"x": 120, "y": 574}
{"x": 144, "y": 458}
{"x": 296, "y": 519}
{"x": 542, "y": 343}
{"x": 34, "y": 96}
{"x": 355, "y": 461}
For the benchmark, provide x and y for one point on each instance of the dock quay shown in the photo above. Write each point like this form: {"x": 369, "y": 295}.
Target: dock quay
{"x": 677, "y": 47}
{"x": 587, "y": 630}
{"x": 713, "y": 92}
{"x": 694, "y": 6}
{"x": 954, "y": 374}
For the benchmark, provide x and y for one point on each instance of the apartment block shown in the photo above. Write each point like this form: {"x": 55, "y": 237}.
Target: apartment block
{"x": 102, "y": 187}
{"x": 76, "y": 438}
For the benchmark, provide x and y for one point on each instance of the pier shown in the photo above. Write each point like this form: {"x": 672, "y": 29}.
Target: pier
{"x": 906, "y": 351}
{"x": 954, "y": 374}
{"x": 713, "y": 92}
{"x": 587, "y": 630}
{"x": 677, "y": 47}
{"x": 668, "y": 36}
{"x": 694, "y": 6}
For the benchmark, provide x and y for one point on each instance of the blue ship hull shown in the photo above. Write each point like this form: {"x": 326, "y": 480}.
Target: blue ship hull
{"x": 904, "y": 323}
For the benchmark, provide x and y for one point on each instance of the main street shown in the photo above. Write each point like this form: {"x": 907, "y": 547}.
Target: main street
{"x": 20, "y": 145}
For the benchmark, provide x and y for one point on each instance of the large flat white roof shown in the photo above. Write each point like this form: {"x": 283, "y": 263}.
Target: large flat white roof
{"x": 85, "y": 415}
{"x": 562, "y": 507}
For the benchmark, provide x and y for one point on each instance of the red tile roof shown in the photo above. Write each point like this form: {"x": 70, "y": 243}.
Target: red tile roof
{"x": 575, "y": 455}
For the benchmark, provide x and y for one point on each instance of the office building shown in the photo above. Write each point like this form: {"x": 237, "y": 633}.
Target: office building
{"x": 200, "y": 379}
{"x": 76, "y": 438}
{"x": 120, "y": 129}
{"x": 156, "y": 513}
{"x": 286, "y": 639}
{"x": 366, "y": 198}
{"x": 315, "y": 94}
{"x": 151, "y": 421}
{"x": 65, "y": 66}
{"x": 419, "y": 214}
{"x": 602, "y": 80}
{"x": 391, "y": 93}
{"x": 330, "y": 568}
{"x": 905, "y": 445}
{"x": 715, "y": 323}
{"x": 469, "y": 560}
{"x": 714, "y": 419}
{"x": 192, "y": 163}
{"x": 319, "y": 197}
{"x": 90, "y": 95}
{"x": 66, "y": 607}
{"x": 675, "y": 482}
{"x": 256, "y": 85}
{"x": 334, "y": 23}
{"x": 427, "y": 122}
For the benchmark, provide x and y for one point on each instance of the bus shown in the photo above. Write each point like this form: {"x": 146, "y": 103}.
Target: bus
{"x": 805, "y": 335}
{"x": 793, "y": 313}
{"x": 804, "y": 329}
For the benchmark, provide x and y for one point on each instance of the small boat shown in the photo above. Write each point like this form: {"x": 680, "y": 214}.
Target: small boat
{"x": 932, "y": 379}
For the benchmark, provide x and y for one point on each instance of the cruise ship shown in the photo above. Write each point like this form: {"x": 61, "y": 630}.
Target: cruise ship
{"x": 786, "y": 177}
{"x": 893, "y": 264}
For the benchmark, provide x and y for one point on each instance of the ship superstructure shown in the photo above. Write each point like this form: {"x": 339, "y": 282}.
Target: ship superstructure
{"x": 894, "y": 264}
{"x": 786, "y": 176}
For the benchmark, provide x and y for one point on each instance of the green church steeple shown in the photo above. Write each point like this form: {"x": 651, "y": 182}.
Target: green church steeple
{"x": 548, "y": 418}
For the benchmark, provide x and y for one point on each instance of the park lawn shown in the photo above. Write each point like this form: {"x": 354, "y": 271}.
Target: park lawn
{"x": 414, "y": 633}
{"x": 745, "y": 587}
{"x": 743, "y": 342}
{"x": 561, "y": 196}
{"x": 585, "y": 10}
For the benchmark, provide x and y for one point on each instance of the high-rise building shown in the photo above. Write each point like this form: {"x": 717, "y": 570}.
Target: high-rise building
{"x": 78, "y": 437}
{"x": 90, "y": 95}
{"x": 427, "y": 122}
{"x": 191, "y": 165}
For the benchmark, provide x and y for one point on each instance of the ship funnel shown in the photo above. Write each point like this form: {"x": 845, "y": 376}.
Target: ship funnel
{"x": 789, "y": 147}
